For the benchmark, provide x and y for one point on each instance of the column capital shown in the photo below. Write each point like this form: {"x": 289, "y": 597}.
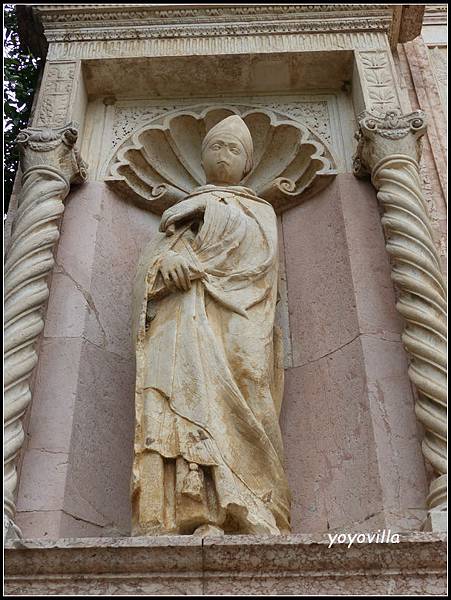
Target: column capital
{"x": 380, "y": 138}
{"x": 53, "y": 149}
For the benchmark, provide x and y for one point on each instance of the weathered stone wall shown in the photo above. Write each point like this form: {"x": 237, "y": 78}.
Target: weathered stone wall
{"x": 352, "y": 440}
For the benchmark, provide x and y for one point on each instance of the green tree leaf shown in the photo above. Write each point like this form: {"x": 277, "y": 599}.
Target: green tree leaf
{"x": 21, "y": 73}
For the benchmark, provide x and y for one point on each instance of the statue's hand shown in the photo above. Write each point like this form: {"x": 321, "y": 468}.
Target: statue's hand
{"x": 175, "y": 271}
{"x": 182, "y": 211}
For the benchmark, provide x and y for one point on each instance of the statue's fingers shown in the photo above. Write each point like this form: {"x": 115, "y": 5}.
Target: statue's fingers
{"x": 166, "y": 279}
{"x": 187, "y": 275}
{"x": 170, "y": 230}
{"x": 163, "y": 220}
{"x": 172, "y": 220}
{"x": 175, "y": 278}
{"x": 181, "y": 277}
{"x": 168, "y": 213}
{"x": 184, "y": 276}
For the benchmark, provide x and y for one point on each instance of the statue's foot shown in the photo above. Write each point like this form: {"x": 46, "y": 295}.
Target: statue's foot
{"x": 208, "y": 529}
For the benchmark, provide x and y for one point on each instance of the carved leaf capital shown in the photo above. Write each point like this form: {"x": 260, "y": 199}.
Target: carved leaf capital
{"x": 381, "y": 137}
{"x": 52, "y": 149}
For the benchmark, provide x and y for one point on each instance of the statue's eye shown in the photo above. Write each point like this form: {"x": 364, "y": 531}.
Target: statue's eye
{"x": 235, "y": 150}
{"x": 215, "y": 146}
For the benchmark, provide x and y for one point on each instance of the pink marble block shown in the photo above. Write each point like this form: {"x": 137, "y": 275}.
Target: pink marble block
{"x": 352, "y": 444}
{"x": 82, "y": 413}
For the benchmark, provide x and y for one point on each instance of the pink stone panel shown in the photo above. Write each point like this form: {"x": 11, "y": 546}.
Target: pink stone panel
{"x": 395, "y": 430}
{"x": 321, "y": 298}
{"x": 98, "y": 479}
{"x": 77, "y": 527}
{"x": 83, "y": 400}
{"x": 351, "y": 437}
{"x": 40, "y": 524}
{"x": 369, "y": 262}
{"x": 46, "y": 492}
{"x": 54, "y": 397}
{"x": 330, "y": 454}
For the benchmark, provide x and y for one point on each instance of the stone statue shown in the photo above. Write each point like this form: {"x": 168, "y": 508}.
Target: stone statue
{"x": 208, "y": 447}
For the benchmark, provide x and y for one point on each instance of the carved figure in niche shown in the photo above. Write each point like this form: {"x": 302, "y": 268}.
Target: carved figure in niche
{"x": 208, "y": 446}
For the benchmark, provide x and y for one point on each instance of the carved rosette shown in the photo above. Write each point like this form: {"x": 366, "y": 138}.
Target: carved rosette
{"x": 50, "y": 163}
{"x": 160, "y": 163}
{"x": 389, "y": 149}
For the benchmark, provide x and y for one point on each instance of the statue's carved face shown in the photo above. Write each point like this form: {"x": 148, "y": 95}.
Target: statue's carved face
{"x": 224, "y": 160}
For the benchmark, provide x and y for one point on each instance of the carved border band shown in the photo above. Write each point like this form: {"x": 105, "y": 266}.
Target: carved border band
{"x": 378, "y": 81}
{"x": 57, "y": 94}
{"x": 257, "y": 44}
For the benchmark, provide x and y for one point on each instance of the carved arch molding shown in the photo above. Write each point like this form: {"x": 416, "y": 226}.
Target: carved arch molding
{"x": 160, "y": 163}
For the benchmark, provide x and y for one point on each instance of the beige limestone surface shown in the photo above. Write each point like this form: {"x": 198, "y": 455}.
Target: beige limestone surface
{"x": 209, "y": 385}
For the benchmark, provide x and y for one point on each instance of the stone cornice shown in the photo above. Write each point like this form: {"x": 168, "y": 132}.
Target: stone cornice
{"x": 103, "y": 22}
{"x": 55, "y": 15}
{"x": 436, "y": 14}
{"x": 406, "y": 24}
{"x": 213, "y": 30}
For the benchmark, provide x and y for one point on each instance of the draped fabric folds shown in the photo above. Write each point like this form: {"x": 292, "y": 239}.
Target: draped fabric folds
{"x": 209, "y": 384}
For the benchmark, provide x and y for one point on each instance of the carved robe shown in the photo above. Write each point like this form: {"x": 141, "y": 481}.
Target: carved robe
{"x": 209, "y": 384}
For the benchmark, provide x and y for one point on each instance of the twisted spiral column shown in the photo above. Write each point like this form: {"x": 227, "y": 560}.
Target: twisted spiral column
{"x": 389, "y": 150}
{"x": 49, "y": 163}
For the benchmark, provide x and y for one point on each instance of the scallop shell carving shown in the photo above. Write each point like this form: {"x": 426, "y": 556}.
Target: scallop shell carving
{"x": 160, "y": 163}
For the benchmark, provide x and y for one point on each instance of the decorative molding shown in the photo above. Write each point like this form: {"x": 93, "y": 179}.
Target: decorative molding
{"x": 379, "y": 80}
{"x": 161, "y": 163}
{"x": 56, "y": 94}
{"x": 50, "y": 163}
{"x": 76, "y": 12}
{"x": 247, "y": 44}
{"x": 438, "y": 56}
{"x": 87, "y": 23}
{"x": 313, "y": 114}
{"x": 389, "y": 149}
{"x": 301, "y": 564}
{"x": 199, "y": 31}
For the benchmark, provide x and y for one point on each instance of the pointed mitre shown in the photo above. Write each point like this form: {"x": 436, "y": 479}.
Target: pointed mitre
{"x": 236, "y": 127}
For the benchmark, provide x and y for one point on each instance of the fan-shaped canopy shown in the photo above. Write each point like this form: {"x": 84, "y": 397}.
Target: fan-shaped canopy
{"x": 160, "y": 163}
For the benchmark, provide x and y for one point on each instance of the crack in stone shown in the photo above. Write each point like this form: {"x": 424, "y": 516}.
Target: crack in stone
{"x": 126, "y": 358}
{"x": 48, "y": 451}
{"x": 368, "y": 334}
{"x": 310, "y": 362}
{"x": 86, "y": 295}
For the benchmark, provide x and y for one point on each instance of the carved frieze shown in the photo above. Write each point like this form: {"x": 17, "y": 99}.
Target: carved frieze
{"x": 438, "y": 56}
{"x": 160, "y": 163}
{"x": 56, "y": 95}
{"x": 314, "y": 114}
{"x": 379, "y": 81}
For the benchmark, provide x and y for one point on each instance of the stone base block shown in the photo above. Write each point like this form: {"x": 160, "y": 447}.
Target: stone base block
{"x": 229, "y": 565}
{"x": 437, "y": 520}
